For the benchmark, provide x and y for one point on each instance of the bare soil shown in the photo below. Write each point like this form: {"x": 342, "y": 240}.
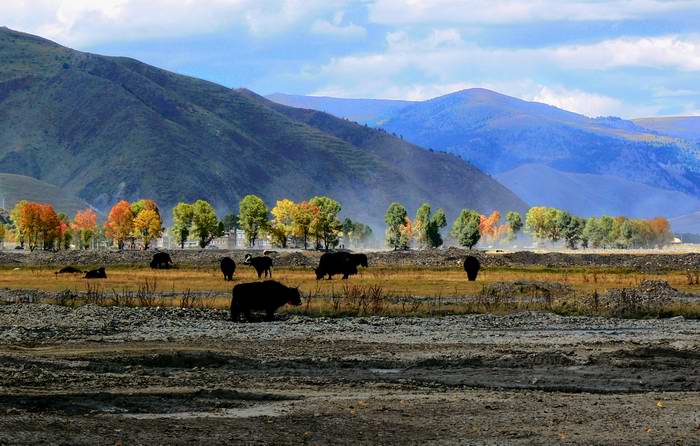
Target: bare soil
{"x": 116, "y": 375}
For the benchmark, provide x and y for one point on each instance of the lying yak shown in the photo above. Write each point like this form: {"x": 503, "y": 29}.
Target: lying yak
{"x": 265, "y": 296}
{"x": 161, "y": 260}
{"x": 333, "y": 263}
{"x": 228, "y": 267}
{"x": 471, "y": 267}
{"x": 98, "y": 273}
{"x": 262, "y": 264}
{"x": 69, "y": 270}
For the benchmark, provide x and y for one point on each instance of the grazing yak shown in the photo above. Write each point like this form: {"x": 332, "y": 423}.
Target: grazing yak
{"x": 161, "y": 260}
{"x": 98, "y": 273}
{"x": 471, "y": 267}
{"x": 228, "y": 267}
{"x": 69, "y": 270}
{"x": 265, "y": 296}
{"x": 262, "y": 264}
{"x": 344, "y": 263}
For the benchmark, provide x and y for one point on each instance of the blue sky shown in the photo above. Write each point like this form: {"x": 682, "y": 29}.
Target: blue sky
{"x": 628, "y": 58}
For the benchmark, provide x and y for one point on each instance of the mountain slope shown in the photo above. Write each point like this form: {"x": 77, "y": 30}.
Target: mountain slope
{"x": 364, "y": 111}
{"x": 499, "y": 133}
{"x": 14, "y": 188}
{"x": 107, "y": 128}
{"x": 592, "y": 194}
{"x": 685, "y": 127}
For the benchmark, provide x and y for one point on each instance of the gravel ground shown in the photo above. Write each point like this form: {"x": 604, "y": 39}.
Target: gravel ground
{"x": 441, "y": 258}
{"x": 105, "y": 375}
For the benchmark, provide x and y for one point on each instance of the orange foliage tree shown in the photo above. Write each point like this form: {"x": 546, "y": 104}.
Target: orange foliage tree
{"x": 120, "y": 223}
{"x": 39, "y": 225}
{"x": 85, "y": 226}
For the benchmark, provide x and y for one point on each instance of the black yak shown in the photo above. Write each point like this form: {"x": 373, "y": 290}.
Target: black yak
{"x": 98, "y": 273}
{"x": 261, "y": 264}
{"x": 69, "y": 270}
{"x": 161, "y": 260}
{"x": 359, "y": 259}
{"x": 228, "y": 267}
{"x": 333, "y": 263}
{"x": 471, "y": 267}
{"x": 265, "y": 296}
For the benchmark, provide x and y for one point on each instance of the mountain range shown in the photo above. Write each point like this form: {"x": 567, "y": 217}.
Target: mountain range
{"x": 106, "y": 128}
{"x": 553, "y": 157}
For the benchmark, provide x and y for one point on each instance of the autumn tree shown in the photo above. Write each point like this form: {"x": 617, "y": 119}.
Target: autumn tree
{"x": 205, "y": 223}
{"x": 182, "y": 213}
{"x": 465, "y": 228}
{"x": 252, "y": 215}
{"x": 15, "y": 216}
{"x": 326, "y": 225}
{"x": 397, "y": 230}
{"x": 120, "y": 223}
{"x": 282, "y": 224}
{"x": 38, "y": 224}
{"x": 85, "y": 225}
{"x": 305, "y": 214}
{"x": 147, "y": 226}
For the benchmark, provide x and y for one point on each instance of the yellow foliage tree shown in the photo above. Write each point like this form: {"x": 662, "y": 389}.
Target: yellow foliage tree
{"x": 282, "y": 226}
{"x": 147, "y": 226}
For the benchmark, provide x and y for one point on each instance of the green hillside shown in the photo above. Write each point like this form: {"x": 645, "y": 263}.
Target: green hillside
{"x": 106, "y": 128}
{"x": 14, "y": 188}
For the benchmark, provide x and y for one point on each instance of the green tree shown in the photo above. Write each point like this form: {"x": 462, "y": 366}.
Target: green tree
{"x": 466, "y": 228}
{"x": 230, "y": 222}
{"x": 252, "y": 216}
{"x": 326, "y": 225}
{"x": 571, "y": 229}
{"x": 395, "y": 219}
{"x": 515, "y": 224}
{"x": 205, "y": 224}
{"x": 437, "y": 222}
{"x": 183, "y": 214}
{"x": 422, "y": 226}
{"x": 360, "y": 234}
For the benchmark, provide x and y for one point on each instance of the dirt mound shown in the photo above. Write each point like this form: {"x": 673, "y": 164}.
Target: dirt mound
{"x": 649, "y": 297}
{"x": 528, "y": 288}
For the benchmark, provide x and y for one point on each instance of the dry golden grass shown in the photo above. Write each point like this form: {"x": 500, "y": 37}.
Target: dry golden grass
{"x": 416, "y": 282}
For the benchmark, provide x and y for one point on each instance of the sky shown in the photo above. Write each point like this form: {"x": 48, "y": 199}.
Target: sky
{"x": 628, "y": 58}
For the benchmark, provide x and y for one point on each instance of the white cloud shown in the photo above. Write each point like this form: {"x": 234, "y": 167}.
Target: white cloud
{"x": 589, "y": 104}
{"x": 86, "y": 22}
{"x": 336, "y": 28}
{"x": 403, "y": 12}
{"x": 678, "y": 52}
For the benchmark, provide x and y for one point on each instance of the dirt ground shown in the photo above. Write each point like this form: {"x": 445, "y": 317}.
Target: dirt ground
{"x": 116, "y": 375}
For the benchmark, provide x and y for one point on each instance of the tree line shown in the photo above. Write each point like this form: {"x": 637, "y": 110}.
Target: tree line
{"x": 543, "y": 224}
{"x": 316, "y": 223}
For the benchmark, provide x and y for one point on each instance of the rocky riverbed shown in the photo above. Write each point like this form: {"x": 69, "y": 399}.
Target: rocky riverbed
{"x": 104, "y": 375}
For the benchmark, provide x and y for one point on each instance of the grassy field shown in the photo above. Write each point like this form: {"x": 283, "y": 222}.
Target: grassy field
{"x": 416, "y": 282}
{"x": 387, "y": 291}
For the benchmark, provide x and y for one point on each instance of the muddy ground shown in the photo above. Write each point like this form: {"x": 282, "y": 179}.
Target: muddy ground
{"x": 113, "y": 375}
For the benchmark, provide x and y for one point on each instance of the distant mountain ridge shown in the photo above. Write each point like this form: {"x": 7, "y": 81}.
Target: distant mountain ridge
{"x": 364, "y": 111}
{"x": 500, "y": 134}
{"x": 14, "y": 188}
{"x": 107, "y": 128}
